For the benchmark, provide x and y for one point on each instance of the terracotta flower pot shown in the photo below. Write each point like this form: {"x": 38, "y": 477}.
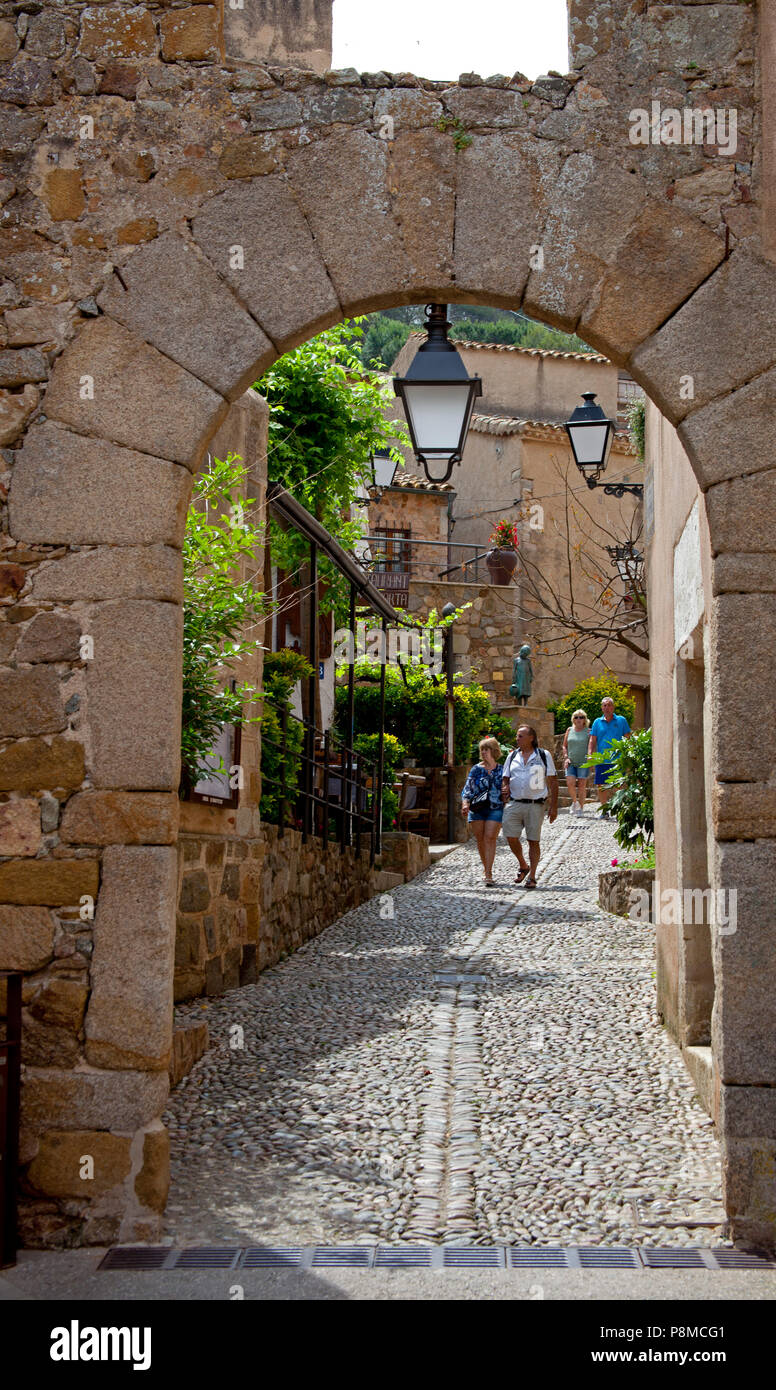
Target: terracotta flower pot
{"x": 501, "y": 564}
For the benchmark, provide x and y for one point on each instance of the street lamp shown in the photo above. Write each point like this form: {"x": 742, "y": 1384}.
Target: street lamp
{"x": 629, "y": 563}
{"x": 590, "y": 434}
{"x": 383, "y": 470}
{"x": 447, "y": 612}
{"x": 438, "y": 396}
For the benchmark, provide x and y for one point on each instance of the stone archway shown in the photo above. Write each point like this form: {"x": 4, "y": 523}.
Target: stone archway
{"x": 299, "y": 201}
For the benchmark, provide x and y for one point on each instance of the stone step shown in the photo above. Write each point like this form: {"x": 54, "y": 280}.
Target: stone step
{"x": 383, "y": 880}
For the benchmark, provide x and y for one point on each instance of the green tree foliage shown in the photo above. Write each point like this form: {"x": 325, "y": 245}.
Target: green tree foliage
{"x": 473, "y": 323}
{"x": 326, "y": 420}
{"x": 218, "y": 609}
{"x": 588, "y": 696}
{"x": 415, "y": 712}
{"x": 631, "y": 805}
{"x": 279, "y": 769}
{"x": 383, "y": 340}
{"x": 637, "y": 425}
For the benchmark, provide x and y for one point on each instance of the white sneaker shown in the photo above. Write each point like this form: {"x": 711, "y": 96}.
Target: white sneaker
{"x": 575, "y": 808}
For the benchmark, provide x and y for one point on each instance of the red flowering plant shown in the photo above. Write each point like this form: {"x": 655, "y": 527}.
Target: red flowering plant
{"x": 505, "y": 536}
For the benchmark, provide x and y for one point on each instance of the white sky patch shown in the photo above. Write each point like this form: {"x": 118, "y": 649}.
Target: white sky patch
{"x": 441, "y": 39}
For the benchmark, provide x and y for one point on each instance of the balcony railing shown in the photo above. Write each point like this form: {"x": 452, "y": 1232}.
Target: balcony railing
{"x": 393, "y": 561}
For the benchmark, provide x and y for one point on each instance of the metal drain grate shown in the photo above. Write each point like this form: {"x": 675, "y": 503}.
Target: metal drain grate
{"x": 164, "y": 1257}
{"x": 473, "y": 1257}
{"x": 688, "y": 1258}
{"x": 257, "y": 1258}
{"x": 608, "y": 1257}
{"x": 537, "y": 1257}
{"x": 739, "y": 1259}
{"x": 208, "y": 1257}
{"x": 350, "y": 1256}
{"x": 136, "y": 1257}
{"x": 410, "y": 1257}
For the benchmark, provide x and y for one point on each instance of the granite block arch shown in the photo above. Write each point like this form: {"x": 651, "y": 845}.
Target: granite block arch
{"x": 157, "y": 267}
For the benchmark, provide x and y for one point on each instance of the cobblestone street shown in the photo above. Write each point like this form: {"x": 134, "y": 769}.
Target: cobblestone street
{"x": 450, "y": 1063}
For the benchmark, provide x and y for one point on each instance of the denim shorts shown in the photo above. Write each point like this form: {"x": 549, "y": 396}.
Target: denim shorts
{"x": 601, "y": 773}
{"x": 581, "y": 772}
{"x": 495, "y": 813}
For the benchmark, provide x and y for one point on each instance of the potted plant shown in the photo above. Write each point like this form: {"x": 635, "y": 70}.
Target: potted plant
{"x": 502, "y": 559}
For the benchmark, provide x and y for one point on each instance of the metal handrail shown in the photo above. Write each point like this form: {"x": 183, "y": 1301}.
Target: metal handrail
{"x": 340, "y": 763}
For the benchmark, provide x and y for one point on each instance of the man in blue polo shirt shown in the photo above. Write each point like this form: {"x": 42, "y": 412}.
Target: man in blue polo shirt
{"x": 603, "y": 733}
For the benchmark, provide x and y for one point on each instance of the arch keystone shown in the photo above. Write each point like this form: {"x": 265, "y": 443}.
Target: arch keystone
{"x": 342, "y": 185}
{"x": 494, "y": 235}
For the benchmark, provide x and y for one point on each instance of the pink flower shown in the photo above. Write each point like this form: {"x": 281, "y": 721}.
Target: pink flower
{"x": 614, "y": 863}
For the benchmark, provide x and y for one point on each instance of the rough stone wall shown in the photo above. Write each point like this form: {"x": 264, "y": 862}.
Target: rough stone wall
{"x": 217, "y": 941}
{"x": 422, "y": 513}
{"x": 483, "y": 635}
{"x": 173, "y": 222}
{"x": 404, "y": 853}
{"x": 292, "y": 32}
{"x": 306, "y": 887}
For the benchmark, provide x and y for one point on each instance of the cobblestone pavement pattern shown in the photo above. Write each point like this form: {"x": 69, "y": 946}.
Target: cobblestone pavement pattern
{"x": 450, "y": 1063}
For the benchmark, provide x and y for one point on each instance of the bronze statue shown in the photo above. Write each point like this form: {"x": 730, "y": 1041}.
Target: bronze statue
{"x": 522, "y": 675}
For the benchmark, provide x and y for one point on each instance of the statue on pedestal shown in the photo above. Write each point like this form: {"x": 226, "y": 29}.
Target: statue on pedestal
{"x": 522, "y": 675}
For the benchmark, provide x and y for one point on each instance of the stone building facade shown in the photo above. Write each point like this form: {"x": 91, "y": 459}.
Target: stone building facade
{"x": 174, "y": 221}
{"x": 514, "y": 467}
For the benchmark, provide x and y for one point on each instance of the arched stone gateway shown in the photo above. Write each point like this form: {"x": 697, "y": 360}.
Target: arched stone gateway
{"x": 173, "y": 226}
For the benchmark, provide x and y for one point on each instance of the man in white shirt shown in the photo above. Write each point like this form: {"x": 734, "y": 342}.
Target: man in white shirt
{"x": 529, "y": 782}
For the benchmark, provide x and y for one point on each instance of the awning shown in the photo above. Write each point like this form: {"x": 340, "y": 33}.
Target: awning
{"x": 285, "y": 506}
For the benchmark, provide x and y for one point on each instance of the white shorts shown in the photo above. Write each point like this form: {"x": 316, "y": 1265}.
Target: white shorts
{"x": 522, "y": 815}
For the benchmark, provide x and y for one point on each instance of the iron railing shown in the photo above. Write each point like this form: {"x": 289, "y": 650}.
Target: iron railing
{"x": 325, "y": 788}
{"x": 10, "y": 1077}
{"x": 399, "y": 555}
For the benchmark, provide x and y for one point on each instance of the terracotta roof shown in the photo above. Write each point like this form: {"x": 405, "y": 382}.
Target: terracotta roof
{"x": 416, "y": 484}
{"x": 538, "y": 429}
{"x": 527, "y": 352}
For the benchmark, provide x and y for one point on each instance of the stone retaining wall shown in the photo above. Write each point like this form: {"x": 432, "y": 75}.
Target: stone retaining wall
{"x": 614, "y": 888}
{"x": 405, "y": 853}
{"x": 305, "y": 888}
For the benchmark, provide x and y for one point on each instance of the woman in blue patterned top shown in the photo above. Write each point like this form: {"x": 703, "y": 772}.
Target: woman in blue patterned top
{"x": 481, "y": 801}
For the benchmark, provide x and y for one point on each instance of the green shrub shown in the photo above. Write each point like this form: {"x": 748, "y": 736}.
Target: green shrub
{"x": 368, "y": 745}
{"x": 631, "y": 804}
{"x": 415, "y": 712}
{"x": 280, "y": 776}
{"x": 588, "y": 696}
{"x": 218, "y": 608}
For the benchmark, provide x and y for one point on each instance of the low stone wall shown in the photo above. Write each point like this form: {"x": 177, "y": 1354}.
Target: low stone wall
{"x": 614, "y": 888}
{"x": 306, "y": 887}
{"x": 405, "y": 853}
{"x": 246, "y": 899}
{"x": 219, "y": 885}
